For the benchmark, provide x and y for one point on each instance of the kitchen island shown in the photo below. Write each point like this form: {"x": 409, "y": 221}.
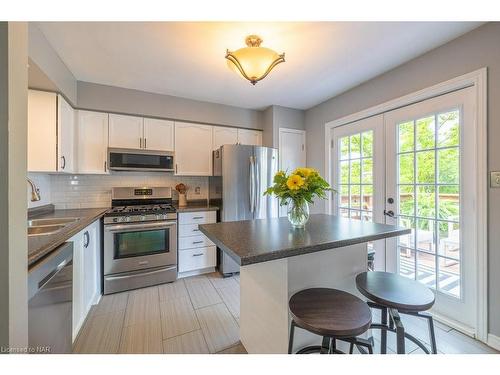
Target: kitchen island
{"x": 277, "y": 260}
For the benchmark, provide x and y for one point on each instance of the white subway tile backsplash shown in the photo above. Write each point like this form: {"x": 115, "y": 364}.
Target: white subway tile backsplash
{"x": 91, "y": 191}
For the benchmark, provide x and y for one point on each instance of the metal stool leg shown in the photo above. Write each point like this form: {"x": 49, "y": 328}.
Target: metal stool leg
{"x": 432, "y": 335}
{"x": 383, "y": 334}
{"x": 400, "y": 330}
{"x": 290, "y": 340}
{"x": 326, "y": 345}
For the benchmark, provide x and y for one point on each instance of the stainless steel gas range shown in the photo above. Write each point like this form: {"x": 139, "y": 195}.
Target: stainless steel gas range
{"x": 140, "y": 239}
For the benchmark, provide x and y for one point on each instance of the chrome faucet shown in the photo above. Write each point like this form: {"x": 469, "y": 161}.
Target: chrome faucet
{"x": 35, "y": 191}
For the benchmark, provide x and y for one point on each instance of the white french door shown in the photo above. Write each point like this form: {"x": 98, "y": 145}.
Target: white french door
{"x": 416, "y": 167}
{"x": 358, "y": 175}
{"x": 431, "y": 182}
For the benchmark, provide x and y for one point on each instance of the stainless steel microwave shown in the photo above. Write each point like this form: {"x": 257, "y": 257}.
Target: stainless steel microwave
{"x": 140, "y": 160}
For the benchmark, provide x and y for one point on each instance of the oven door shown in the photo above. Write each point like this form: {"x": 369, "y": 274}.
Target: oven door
{"x": 129, "y": 247}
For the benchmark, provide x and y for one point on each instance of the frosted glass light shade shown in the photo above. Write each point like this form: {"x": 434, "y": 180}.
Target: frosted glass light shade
{"x": 253, "y": 62}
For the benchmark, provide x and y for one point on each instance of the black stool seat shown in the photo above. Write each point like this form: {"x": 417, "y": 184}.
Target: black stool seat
{"x": 395, "y": 291}
{"x": 330, "y": 312}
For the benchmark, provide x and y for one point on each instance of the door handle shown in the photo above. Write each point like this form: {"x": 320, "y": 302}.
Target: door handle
{"x": 140, "y": 142}
{"x": 390, "y": 213}
{"x": 197, "y": 242}
{"x": 145, "y": 143}
{"x": 63, "y": 165}
{"x": 252, "y": 185}
{"x": 86, "y": 237}
{"x": 198, "y": 254}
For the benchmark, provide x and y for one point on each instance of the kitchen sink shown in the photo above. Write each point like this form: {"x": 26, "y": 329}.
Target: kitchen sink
{"x": 50, "y": 222}
{"x": 44, "y": 229}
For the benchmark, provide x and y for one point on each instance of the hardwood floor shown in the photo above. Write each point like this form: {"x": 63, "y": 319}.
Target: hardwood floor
{"x": 200, "y": 315}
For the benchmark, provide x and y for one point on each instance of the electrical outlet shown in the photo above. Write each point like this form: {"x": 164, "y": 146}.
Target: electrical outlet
{"x": 197, "y": 190}
{"x": 495, "y": 179}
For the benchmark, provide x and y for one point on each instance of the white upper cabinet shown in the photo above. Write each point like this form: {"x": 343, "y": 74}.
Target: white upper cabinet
{"x": 42, "y": 131}
{"x": 125, "y": 131}
{"x": 158, "y": 135}
{"x": 51, "y": 134}
{"x": 66, "y": 136}
{"x": 249, "y": 137}
{"x": 193, "y": 149}
{"x": 224, "y": 136}
{"x": 92, "y": 142}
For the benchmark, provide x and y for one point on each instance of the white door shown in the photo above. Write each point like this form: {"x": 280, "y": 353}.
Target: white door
{"x": 65, "y": 135}
{"x": 358, "y": 174}
{"x": 158, "y": 135}
{"x": 125, "y": 131}
{"x": 292, "y": 153}
{"x": 224, "y": 136}
{"x": 431, "y": 177}
{"x": 193, "y": 149}
{"x": 92, "y": 142}
{"x": 250, "y": 137}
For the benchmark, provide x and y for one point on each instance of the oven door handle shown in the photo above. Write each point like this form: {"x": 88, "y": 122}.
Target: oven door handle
{"x": 133, "y": 227}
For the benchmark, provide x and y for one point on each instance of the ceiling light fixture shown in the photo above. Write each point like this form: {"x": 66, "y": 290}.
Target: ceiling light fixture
{"x": 253, "y": 62}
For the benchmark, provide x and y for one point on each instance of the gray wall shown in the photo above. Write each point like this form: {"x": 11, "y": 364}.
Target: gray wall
{"x": 4, "y": 187}
{"x": 276, "y": 117}
{"x": 13, "y": 147}
{"x": 114, "y": 99}
{"x": 49, "y": 62}
{"x": 477, "y": 49}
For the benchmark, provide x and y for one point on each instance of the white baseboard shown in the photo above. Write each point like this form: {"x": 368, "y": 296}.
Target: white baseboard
{"x": 469, "y": 331}
{"x": 493, "y": 341}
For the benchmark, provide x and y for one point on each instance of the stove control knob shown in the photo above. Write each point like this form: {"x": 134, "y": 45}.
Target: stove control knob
{"x": 127, "y": 218}
{"x": 115, "y": 220}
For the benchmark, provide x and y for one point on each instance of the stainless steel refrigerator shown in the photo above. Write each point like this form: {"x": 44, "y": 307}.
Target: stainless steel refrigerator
{"x": 241, "y": 175}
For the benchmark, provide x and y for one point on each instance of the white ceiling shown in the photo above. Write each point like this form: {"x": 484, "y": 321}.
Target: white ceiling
{"x": 184, "y": 59}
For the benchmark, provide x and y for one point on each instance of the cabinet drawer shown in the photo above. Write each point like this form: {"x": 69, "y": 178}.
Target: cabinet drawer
{"x": 195, "y": 259}
{"x": 189, "y": 230}
{"x": 194, "y": 241}
{"x": 203, "y": 217}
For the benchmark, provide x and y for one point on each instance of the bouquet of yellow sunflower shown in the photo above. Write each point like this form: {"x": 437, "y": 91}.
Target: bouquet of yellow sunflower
{"x": 297, "y": 190}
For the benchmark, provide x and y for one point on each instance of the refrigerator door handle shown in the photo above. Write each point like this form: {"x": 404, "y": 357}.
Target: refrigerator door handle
{"x": 252, "y": 184}
{"x": 257, "y": 186}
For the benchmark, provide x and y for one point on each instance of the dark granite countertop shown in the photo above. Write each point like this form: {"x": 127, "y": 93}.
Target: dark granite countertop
{"x": 40, "y": 246}
{"x": 195, "y": 206}
{"x": 256, "y": 241}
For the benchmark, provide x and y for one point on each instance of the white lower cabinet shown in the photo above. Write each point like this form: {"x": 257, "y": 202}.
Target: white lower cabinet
{"x": 86, "y": 273}
{"x": 196, "y": 251}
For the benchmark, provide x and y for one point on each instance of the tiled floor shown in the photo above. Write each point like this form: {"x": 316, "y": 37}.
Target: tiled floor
{"x": 201, "y": 315}
{"x": 193, "y": 315}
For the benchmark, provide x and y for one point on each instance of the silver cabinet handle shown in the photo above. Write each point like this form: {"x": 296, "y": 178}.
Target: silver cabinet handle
{"x": 197, "y": 242}
{"x": 140, "y": 142}
{"x": 145, "y": 143}
{"x": 197, "y": 217}
{"x": 256, "y": 204}
{"x": 175, "y": 168}
{"x": 86, "y": 239}
{"x": 105, "y": 166}
{"x": 63, "y": 165}
{"x": 198, "y": 254}
{"x": 196, "y": 230}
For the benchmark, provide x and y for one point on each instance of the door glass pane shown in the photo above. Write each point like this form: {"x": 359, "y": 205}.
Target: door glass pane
{"x": 407, "y": 200}
{"x": 448, "y": 129}
{"x": 406, "y": 136}
{"x": 449, "y": 276}
{"x": 355, "y": 198}
{"x": 448, "y": 166}
{"x": 355, "y": 151}
{"x": 426, "y": 173}
{"x": 449, "y": 202}
{"x": 425, "y": 235}
{"x": 429, "y": 200}
{"x": 449, "y": 239}
{"x": 426, "y": 267}
{"x": 406, "y": 169}
{"x": 426, "y": 201}
{"x": 407, "y": 262}
{"x": 426, "y": 133}
{"x": 130, "y": 244}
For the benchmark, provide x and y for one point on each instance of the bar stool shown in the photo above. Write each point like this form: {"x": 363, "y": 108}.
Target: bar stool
{"x": 332, "y": 314}
{"x": 394, "y": 294}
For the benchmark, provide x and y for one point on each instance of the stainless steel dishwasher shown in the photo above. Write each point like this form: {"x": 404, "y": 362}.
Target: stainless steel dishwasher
{"x": 50, "y": 293}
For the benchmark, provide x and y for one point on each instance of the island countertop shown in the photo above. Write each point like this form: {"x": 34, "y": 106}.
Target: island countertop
{"x": 263, "y": 240}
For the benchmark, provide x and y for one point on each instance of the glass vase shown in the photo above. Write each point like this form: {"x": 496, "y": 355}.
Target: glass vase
{"x": 298, "y": 213}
